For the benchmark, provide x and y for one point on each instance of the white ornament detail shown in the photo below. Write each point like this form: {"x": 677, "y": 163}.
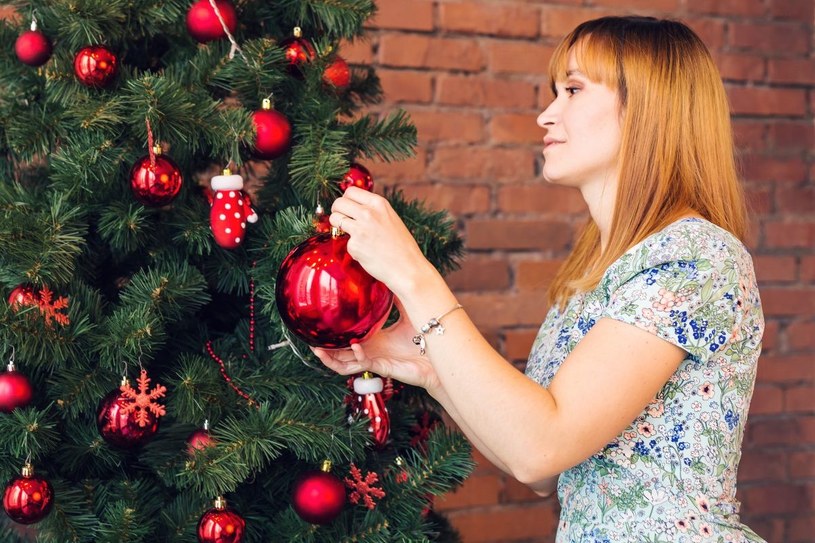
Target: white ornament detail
{"x": 373, "y": 385}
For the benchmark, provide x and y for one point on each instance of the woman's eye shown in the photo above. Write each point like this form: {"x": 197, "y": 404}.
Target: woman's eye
{"x": 571, "y": 90}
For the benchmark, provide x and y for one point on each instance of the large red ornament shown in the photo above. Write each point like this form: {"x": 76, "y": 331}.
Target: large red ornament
{"x": 95, "y": 66}
{"x": 121, "y": 427}
{"x": 203, "y": 23}
{"x": 29, "y": 498}
{"x": 273, "y": 132}
{"x": 369, "y": 402}
{"x": 326, "y": 298}
{"x": 15, "y": 390}
{"x": 33, "y": 47}
{"x": 298, "y": 51}
{"x": 22, "y": 296}
{"x": 337, "y": 73}
{"x": 231, "y": 210}
{"x": 221, "y": 525}
{"x": 318, "y": 496}
{"x": 357, "y": 176}
{"x": 155, "y": 184}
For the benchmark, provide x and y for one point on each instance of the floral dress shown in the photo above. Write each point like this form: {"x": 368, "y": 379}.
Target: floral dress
{"x": 671, "y": 475}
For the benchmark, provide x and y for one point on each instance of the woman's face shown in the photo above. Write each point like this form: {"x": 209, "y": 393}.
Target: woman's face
{"x": 583, "y": 131}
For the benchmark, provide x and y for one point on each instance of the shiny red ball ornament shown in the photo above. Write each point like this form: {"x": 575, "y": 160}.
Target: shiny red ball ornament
{"x": 22, "y": 296}
{"x": 221, "y": 524}
{"x": 298, "y": 51}
{"x": 33, "y": 47}
{"x": 320, "y": 220}
{"x": 155, "y": 185}
{"x": 337, "y": 73}
{"x": 318, "y": 496}
{"x": 357, "y": 176}
{"x": 120, "y": 428}
{"x": 203, "y": 23}
{"x": 326, "y": 298}
{"x": 199, "y": 440}
{"x": 95, "y": 66}
{"x": 273, "y": 132}
{"x": 15, "y": 390}
{"x": 28, "y": 498}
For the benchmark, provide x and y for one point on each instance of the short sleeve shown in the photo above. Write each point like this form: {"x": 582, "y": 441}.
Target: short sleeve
{"x": 693, "y": 304}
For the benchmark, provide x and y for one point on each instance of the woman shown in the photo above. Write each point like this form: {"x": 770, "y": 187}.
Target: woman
{"x": 639, "y": 382}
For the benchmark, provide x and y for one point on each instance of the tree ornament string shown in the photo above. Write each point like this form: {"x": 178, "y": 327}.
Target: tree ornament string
{"x": 150, "y": 142}
{"x": 226, "y": 376}
{"x": 235, "y": 46}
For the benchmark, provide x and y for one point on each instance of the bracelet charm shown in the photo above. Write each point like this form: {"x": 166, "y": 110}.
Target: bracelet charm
{"x": 434, "y": 323}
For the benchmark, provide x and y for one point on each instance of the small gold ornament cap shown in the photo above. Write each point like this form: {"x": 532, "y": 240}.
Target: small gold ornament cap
{"x": 157, "y": 149}
{"x": 227, "y": 171}
{"x": 266, "y": 104}
{"x": 28, "y": 470}
{"x": 220, "y": 503}
{"x": 399, "y": 461}
{"x": 298, "y": 32}
{"x": 326, "y": 467}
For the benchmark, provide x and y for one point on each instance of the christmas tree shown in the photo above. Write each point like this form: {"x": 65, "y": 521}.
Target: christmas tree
{"x": 143, "y": 280}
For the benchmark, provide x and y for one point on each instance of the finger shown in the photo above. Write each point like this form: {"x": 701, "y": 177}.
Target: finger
{"x": 341, "y": 221}
{"x": 360, "y": 196}
{"x": 336, "y": 364}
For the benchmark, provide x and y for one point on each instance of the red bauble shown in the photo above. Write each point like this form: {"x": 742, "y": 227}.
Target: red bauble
{"x": 22, "y": 296}
{"x": 357, "y": 176}
{"x": 203, "y": 23}
{"x": 199, "y": 440}
{"x": 320, "y": 220}
{"x": 15, "y": 390}
{"x": 29, "y": 498}
{"x": 337, "y": 73}
{"x": 95, "y": 66}
{"x": 120, "y": 428}
{"x": 273, "y": 132}
{"x": 33, "y": 48}
{"x": 298, "y": 51}
{"x": 370, "y": 403}
{"x": 155, "y": 185}
{"x": 221, "y": 525}
{"x": 318, "y": 496}
{"x": 326, "y": 298}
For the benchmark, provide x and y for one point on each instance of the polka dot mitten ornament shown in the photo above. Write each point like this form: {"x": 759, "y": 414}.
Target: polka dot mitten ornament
{"x": 231, "y": 210}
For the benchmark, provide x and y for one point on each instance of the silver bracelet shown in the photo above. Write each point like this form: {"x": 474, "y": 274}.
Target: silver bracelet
{"x": 434, "y": 323}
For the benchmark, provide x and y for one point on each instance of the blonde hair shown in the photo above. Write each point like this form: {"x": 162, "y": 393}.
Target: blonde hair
{"x": 676, "y": 155}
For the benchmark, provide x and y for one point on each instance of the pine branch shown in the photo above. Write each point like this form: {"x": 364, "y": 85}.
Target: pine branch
{"x": 173, "y": 289}
{"x": 29, "y": 431}
{"x": 389, "y": 139}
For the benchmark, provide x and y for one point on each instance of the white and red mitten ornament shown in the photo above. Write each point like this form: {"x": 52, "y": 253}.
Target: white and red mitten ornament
{"x": 231, "y": 210}
{"x": 369, "y": 402}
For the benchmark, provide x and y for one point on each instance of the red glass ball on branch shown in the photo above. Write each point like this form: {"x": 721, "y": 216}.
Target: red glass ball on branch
{"x": 199, "y": 440}
{"x": 22, "y": 296}
{"x": 337, "y": 73}
{"x": 318, "y": 496}
{"x": 273, "y": 132}
{"x": 326, "y": 298}
{"x": 298, "y": 51}
{"x": 95, "y": 66}
{"x": 357, "y": 176}
{"x": 203, "y": 23}
{"x": 33, "y": 48}
{"x": 119, "y": 427}
{"x": 221, "y": 525}
{"x": 15, "y": 390}
{"x": 28, "y": 498}
{"x": 156, "y": 184}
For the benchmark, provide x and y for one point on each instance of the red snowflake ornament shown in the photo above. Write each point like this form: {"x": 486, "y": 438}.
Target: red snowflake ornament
{"x": 363, "y": 488}
{"x": 143, "y": 401}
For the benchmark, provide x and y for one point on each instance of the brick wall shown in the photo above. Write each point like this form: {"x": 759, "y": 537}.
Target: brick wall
{"x": 472, "y": 74}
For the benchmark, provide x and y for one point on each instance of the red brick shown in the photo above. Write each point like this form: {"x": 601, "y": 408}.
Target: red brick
{"x": 801, "y": 527}
{"x": 514, "y": 20}
{"x": 518, "y": 57}
{"x": 540, "y": 198}
{"x": 787, "y": 369}
{"x": 767, "y": 400}
{"x": 406, "y": 85}
{"x": 802, "y": 465}
{"x": 416, "y": 51}
{"x": 518, "y": 234}
{"x": 791, "y": 136}
{"x": 796, "y": 200}
{"x": 482, "y": 91}
{"x": 518, "y": 343}
{"x": 800, "y": 336}
{"x": 458, "y": 200}
{"x": 770, "y": 338}
{"x": 536, "y": 275}
{"x": 749, "y": 135}
{"x": 775, "y": 37}
{"x": 759, "y": 199}
{"x": 387, "y": 173}
{"x": 772, "y": 269}
{"x": 506, "y": 524}
{"x": 807, "y": 269}
{"x": 516, "y": 128}
{"x": 711, "y": 31}
{"x": 789, "y": 234}
{"x": 398, "y": 14}
{"x": 477, "y": 490}
{"x": 780, "y": 498}
{"x": 558, "y": 21}
{"x": 741, "y": 66}
{"x": 727, "y": 7}
{"x": 480, "y": 273}
{"x": 801, "y": 10}
{"x": 359, "y": 51}
{"x": 769, "y": 528}
{"x": 494, "y": 310}
{"x": 470, "y": 163}
{"x": 767, "y": 101}
{"x": 797, "y": 71}
{"x": 665, "y": 6}
{"x": 775, "y": 169}
{"x": 447, "y": 126}
{"x": 759, "y": 465}
{"x": 800, "y": 399}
